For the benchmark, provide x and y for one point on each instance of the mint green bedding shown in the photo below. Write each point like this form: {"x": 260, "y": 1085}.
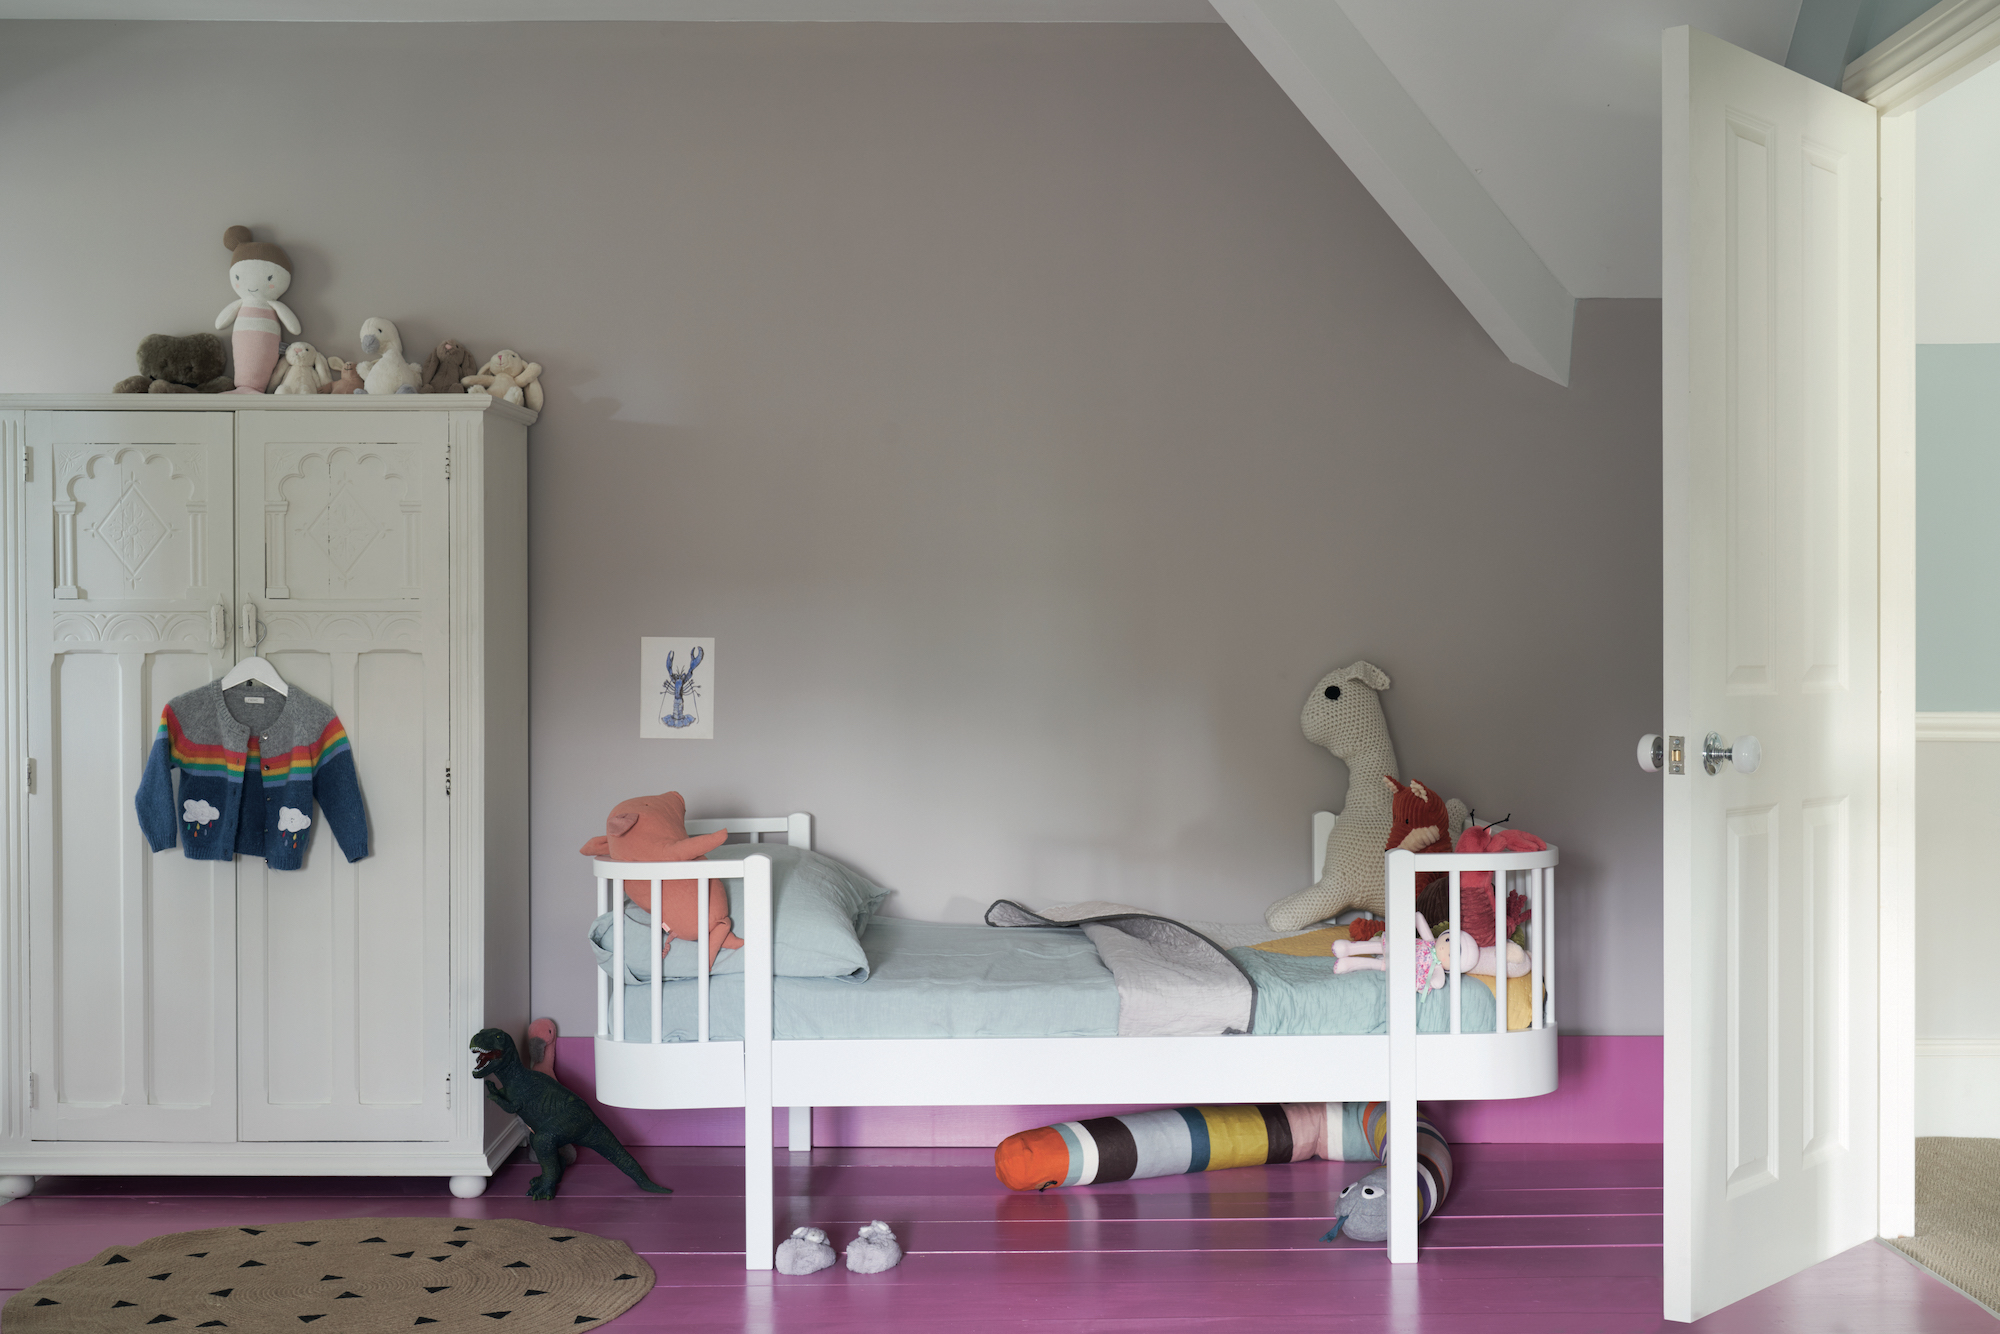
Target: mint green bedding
{"x": 937, "y": 980}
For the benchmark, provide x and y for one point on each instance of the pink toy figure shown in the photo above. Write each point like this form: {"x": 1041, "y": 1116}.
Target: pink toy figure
{"x": 260, "y": 272}
{"x": 1432, "y": 961}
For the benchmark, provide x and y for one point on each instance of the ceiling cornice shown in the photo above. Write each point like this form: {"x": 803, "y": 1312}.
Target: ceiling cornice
{"x": 645, "y": 11}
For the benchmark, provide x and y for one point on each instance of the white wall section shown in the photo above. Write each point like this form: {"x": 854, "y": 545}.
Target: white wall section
{"x": 1317, "y": 55}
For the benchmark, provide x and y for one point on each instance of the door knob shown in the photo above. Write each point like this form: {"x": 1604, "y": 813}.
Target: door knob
{"x": 1658, "y": 752}
{"x": 247, "y": 625}
{"x": 218, "y": 627}
{"x": 1746, "y": 754}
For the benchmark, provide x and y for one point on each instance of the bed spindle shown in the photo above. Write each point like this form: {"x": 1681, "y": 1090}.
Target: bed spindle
{"x": 1457, "y": 954}
{"x": 1549, "y": 944}
{"x": 604, "y": 982}
{"x": 1500, "y": 978}
{"x": 701, "y": 959}
{"x": 1535, "y": 947}
{"x": 618, "y": 963}
{"x": 658, "y": 942}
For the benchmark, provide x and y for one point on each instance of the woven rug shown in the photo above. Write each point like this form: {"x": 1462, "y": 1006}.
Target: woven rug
{"x": 355, "y": 1274}
{"x": 1958, "y": 1215}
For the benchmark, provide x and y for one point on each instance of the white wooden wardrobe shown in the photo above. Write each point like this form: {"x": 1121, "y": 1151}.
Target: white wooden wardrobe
{"x": 161, "y": 1015}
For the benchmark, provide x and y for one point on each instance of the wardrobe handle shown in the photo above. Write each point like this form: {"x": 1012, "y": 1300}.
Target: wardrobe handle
{"x": 218, "y": 627}
{"x": 246, "y": 625}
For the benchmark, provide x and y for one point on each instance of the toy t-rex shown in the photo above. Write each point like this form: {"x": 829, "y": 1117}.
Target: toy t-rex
{"x": 555, "y": 1116}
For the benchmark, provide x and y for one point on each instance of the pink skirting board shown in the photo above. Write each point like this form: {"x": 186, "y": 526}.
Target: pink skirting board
{"x": 1610, "y": 1093}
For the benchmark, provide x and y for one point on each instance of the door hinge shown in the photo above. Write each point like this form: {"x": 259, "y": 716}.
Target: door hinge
{"x": 447, "y": 461}
{"x": 447, "y": 1090}
{"x": 33, "y": 1102}
{"x": 27, "y": 463}
{"x": 447, "y": 792}
{"x": 31, "y": 777}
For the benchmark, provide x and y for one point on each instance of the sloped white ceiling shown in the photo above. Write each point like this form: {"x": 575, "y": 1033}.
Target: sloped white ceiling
{"x": 1555, "y": 107}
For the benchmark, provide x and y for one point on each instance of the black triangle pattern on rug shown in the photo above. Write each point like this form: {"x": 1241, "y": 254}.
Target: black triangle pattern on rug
{"x": 588, "y": 1271}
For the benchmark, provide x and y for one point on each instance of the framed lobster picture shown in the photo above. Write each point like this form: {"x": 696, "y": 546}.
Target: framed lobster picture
{"x": 677, "y": 688}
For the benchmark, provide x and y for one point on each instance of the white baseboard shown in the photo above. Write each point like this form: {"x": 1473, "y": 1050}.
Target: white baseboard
{"x": 1958, "y": 1087}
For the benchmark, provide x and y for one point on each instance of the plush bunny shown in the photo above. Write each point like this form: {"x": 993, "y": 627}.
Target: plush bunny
{"x": 260, "y": 273}
{"x": 445, "y": 369}
{"x": 303, "y": 371}
{"x": 349, "y": 381}
{"x": 388, "y": 373}
{"x": 506, "y": 375}
{"x": 654, "y": 829}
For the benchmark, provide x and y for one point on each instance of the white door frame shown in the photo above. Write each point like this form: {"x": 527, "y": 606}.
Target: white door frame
{"x": 1943, "y": 48}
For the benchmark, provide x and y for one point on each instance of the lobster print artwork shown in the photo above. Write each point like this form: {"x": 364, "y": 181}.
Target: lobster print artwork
{"x": 677, "y": 687}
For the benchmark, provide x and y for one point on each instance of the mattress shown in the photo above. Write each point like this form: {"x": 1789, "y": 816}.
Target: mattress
{"x": 941, "y": 980}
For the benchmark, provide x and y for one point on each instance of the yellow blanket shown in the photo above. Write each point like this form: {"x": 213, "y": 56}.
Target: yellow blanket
{"x": 1319, "y": 944}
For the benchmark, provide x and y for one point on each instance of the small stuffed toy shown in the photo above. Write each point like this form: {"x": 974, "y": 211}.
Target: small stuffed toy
{"x": 1344, "y": 714}
{"x": 875, "y": 1250}
{"x": 1433, "y": 959}
{"x": 169, "y": 364}
{"x": 804, "y": 1252}
{"x": 1363, "y": 1209}
{"x": 654, "y": 829}
{"x": 388, "y": 373}
{"x": 350, "y": 377}
{"x": 302, "y": 371}
{"x": 445, "y": 369}
{"x": 506, "y": 375}
{"x": 260, "y": 273}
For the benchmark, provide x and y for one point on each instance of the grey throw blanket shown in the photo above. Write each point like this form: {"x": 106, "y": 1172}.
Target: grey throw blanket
{"x": 1172, "y": 980}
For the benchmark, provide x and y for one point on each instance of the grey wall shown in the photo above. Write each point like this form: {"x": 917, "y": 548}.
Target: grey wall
{"x": 1032, "y": 414}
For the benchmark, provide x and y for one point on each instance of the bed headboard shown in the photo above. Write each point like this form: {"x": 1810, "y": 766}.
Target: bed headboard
{"x": 1322, "y": 826}
{"x": 796, "y": 827}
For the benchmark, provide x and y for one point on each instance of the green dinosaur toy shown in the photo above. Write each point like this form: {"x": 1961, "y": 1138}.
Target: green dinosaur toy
{"x": 556, "y": 1117}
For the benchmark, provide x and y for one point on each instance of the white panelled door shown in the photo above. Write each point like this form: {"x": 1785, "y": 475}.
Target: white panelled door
{"x": 1770, "y": 632}
{"x": 343, "y": 550}
{"x": 129, "y": 567}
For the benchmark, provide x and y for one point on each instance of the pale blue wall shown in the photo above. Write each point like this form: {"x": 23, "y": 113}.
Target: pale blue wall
{"x": 1958, "y": 527}
{"x": 1830, "y": 34}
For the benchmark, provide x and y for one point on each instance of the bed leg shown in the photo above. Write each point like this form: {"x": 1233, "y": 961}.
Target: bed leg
{"x": 759, "y": 1207}
{"x": 801, "y": 1130}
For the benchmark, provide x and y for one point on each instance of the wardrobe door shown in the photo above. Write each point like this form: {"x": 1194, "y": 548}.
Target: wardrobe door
{"x": 343, "y": 549}
{"x": 129, "y": 590}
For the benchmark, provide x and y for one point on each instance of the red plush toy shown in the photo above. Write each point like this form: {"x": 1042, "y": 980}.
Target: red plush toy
{"x": 654, "y": 829}
{"x": 1418, "y": 822}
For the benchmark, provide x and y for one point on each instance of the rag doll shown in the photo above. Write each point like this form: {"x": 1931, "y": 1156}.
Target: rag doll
{"x": 260, "y": 273}
{"x": 654, "y": 829}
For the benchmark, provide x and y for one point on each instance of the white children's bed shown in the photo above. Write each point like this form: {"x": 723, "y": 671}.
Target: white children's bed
{"x": 637, "y": 1068}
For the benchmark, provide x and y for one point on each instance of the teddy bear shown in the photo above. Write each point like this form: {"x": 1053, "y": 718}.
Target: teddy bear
{"x": 445, "y": 369}
{"x": 1344, "y": 714}
{"x": 349, "y": 381}
{"x": 506, "y": 375}
{"x": 654, "y": 829}
{"x": 302, "y": 370}
{"x": 172, "y": 364}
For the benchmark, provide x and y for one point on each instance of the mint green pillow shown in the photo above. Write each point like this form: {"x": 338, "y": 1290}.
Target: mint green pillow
{"x": 820, "y": 907}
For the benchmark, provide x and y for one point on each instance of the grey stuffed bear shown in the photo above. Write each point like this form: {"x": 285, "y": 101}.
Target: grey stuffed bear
{"x": 446, "y": 368}
{"x": 168, "y": 364}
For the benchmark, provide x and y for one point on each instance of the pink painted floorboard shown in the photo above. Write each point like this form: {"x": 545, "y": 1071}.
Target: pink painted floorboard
{"x": 1610, "y": 1093}
{"x": 1534, "y": 1239}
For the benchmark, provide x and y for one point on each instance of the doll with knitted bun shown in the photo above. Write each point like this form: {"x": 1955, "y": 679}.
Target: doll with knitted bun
{"x": 260, "y": 272}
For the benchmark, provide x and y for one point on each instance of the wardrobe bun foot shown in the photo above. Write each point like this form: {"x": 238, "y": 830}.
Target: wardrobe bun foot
{"x": 12, "y": 1188}
{"x": 469, "y": 1187}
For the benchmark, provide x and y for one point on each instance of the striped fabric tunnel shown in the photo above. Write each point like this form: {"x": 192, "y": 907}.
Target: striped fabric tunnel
{"x": 1205, "y": 1139}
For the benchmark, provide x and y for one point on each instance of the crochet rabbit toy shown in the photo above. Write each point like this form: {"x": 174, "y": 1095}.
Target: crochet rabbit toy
{"x": 1344, "y": 714}
{"x": 303, "y": 371}
{"x": 261, "y": 273}
{"x": 654, "y": 829}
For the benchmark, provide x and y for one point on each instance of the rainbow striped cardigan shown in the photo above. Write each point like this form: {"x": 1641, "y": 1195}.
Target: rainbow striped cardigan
{"x": 300, "y": 756}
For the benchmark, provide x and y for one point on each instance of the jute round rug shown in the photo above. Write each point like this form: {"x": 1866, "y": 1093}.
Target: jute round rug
{"x": 441, "y": 1275}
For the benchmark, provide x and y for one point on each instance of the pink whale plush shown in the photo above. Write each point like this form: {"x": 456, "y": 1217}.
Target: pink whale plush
{"x": 654, "y": 829}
